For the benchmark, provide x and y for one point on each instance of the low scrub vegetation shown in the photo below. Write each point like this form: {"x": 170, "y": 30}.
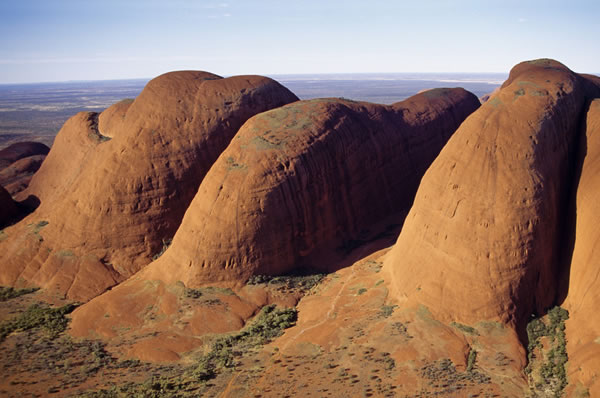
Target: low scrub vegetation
{"x": 7, "y": 293}
{"x": 222, "y": 354}
{"x": 52, "y": 320}
{"x": 302, "y": 282}
{"x": 547, "y": 352}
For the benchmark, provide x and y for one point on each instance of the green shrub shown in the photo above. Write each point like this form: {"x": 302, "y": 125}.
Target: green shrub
{"x": 552, "y": 369}
{"x": 53, "y": 320}
{"x": 7, "y": 293}
{"x": 304, "y": 282}
{"x": 471, "y": 360}
{"x": 465, "y": 328}
{"x": 387, "y": 310}
{"x": 165, "y": 245}
{"x": 267, "y": 325}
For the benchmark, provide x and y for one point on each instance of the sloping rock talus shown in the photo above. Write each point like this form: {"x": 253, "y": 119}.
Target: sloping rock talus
{"x": 301, "y": 181}
{"x": 111, "y": 202}
{"x": 483, "y": 238}
{"x": 583, "y": 300}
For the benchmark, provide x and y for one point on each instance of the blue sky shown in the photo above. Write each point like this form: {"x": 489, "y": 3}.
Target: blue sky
{"x": 58, "y": 40}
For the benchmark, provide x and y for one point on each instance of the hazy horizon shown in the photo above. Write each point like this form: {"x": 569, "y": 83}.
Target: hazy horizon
{"x": 314, "y": 76}
{"x": 36, "y": 111}
{"x": 71, "y": 40}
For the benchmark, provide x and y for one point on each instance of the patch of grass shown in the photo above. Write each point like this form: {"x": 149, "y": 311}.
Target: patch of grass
{"x": 302, "y": 282}
{"x": 471, "y": 360}
{"x": 220, "y": 356}
{"x": 35, "y": 229}
{"x": 520, "y": 92}
{"x": 165, "y": 245}
{"x": 548, "y": 364}
{"x": 267, "y": 325}
{"x": 208, "y": 291}
{"x": 52, "y": 320}
{"x": 41, "y": 224}
{"x": 399, "y": 329}
{"x": 98, "y": 137}
{"x": 233, "y": 165}
{"x": 443, "y": 377}
{"x": 387, "y": 310}
{"x": 192, "y": 293}
{"x": 375, "y": 266}
{"x": 465, "y": 328}
{"x": 7, "y": 293}
{"x": 495, "y": 102}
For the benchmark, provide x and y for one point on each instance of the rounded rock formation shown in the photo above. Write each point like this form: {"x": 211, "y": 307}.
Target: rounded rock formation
{"x": 16, "y": 177}
{"x": 484, "y": 237}
{"x": 303, "y": 181}
{"x": 114, "y": 202}
{"x": 583, "y": 300}
{"x": 112, "y": 118}
{"x": 21, "y": 150}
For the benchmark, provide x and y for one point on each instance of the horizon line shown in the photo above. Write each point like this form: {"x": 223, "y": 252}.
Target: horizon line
{"x": 246, "y": 74}
{"x": 273, "y": 75}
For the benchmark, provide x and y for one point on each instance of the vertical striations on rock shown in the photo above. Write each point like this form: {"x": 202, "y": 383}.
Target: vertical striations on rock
{"x": 299, "y": 182}
{"x": 583, "y": 300}
{"x": 484, "y": 236}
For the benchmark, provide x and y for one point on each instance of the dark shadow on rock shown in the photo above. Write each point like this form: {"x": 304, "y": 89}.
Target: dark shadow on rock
{"x": 381, "y": 235}
{"x": 570, "y": 220}
{"x": 566, "y": 240}
{"x": 26, "y": 207}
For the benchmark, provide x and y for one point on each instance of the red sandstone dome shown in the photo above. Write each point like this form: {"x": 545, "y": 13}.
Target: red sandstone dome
{"x": 21, "y": 150}
{"x": 485, "y": 236}
{"x": 108, "y": 204}
{"x": 299, "y": 182}
{"x": 583, "y": 300}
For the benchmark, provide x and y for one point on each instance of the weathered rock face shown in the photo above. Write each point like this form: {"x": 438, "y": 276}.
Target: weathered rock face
{"x": 483, "y": 238}
{"x": 73, "y": 146}
{"x": 8, "y": 209}
{"x": 583, "y": 300}
{"x": 111, "y": 202}
{"x": 111, "y": 119}
{"x": 303, "y": 180}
